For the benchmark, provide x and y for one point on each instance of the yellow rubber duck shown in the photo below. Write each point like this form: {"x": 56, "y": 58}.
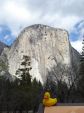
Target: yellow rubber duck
{"x": 47, "y": 101}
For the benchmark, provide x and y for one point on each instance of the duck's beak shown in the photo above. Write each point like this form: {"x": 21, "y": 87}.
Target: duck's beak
{"x": 45, "y": 97}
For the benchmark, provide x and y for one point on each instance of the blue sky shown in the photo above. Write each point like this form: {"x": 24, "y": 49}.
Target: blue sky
{"x": 17, "y": 14}
{"x": 6, "y": 35}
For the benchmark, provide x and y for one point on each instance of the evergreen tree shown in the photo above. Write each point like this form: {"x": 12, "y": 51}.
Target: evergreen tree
{"x": 81, "y": 74}
{"x": 83, "y": 48}
{"x": 82, "y": 59}
{"x": 23, "y": 72}
{"x": 37, "y": 90}
{"x": 29, "y": 91}
{"x": 20, "y": 94}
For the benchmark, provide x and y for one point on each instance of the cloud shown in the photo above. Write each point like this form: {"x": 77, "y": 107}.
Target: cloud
{"x": 21, "y": 13}
{"x": 0, "y": 29}
{"x": 17, "y": 14}
{"x": 77, "y": 35}
{"x": 77, "y": 45}
{"x": 6, "y": 37}
{"x": 6, "y": 34}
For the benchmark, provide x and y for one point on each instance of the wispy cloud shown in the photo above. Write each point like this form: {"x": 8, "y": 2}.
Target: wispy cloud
{"x": 17, "y": 14}
{"x": 77, "y": 45}
{"x": 21, "y": 13}
{"x": 77, "y": 35}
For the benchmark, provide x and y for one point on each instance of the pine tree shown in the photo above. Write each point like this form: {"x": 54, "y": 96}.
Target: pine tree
{"x": 28, "y": 91}
{"x": 81, "y": 74}
{"x": 82, "y": 55}
{"x": 37, "y": 90}
{"x": 23, "y": 72}
{"x": 82, "y": 59}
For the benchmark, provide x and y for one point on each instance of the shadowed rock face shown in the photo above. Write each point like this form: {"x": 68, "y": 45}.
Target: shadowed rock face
{"x": 2, "y": 46}
{"x": 46, "y": 47}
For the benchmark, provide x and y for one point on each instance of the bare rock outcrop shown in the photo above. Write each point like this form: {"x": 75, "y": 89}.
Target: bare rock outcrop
{"x": 46, "y": 46}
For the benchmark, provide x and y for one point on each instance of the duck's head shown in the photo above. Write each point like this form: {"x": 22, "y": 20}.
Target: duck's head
{"x": 46, "y": 95}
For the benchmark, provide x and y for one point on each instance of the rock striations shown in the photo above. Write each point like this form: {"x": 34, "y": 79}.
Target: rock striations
{"x": 46, "y": 46}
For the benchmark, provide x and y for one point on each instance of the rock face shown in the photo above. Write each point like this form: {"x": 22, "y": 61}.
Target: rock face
{"x": 2, "y": 46}
{"x": 46, "y": 47}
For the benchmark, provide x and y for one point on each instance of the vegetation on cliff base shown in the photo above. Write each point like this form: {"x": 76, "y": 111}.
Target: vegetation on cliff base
{"x": 21, "y": 94}
{"x": 26, "y": 94}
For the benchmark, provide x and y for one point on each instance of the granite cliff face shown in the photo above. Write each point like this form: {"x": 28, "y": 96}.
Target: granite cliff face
{"x": 2, "y": 46}
{"x": 46, "y": 47}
